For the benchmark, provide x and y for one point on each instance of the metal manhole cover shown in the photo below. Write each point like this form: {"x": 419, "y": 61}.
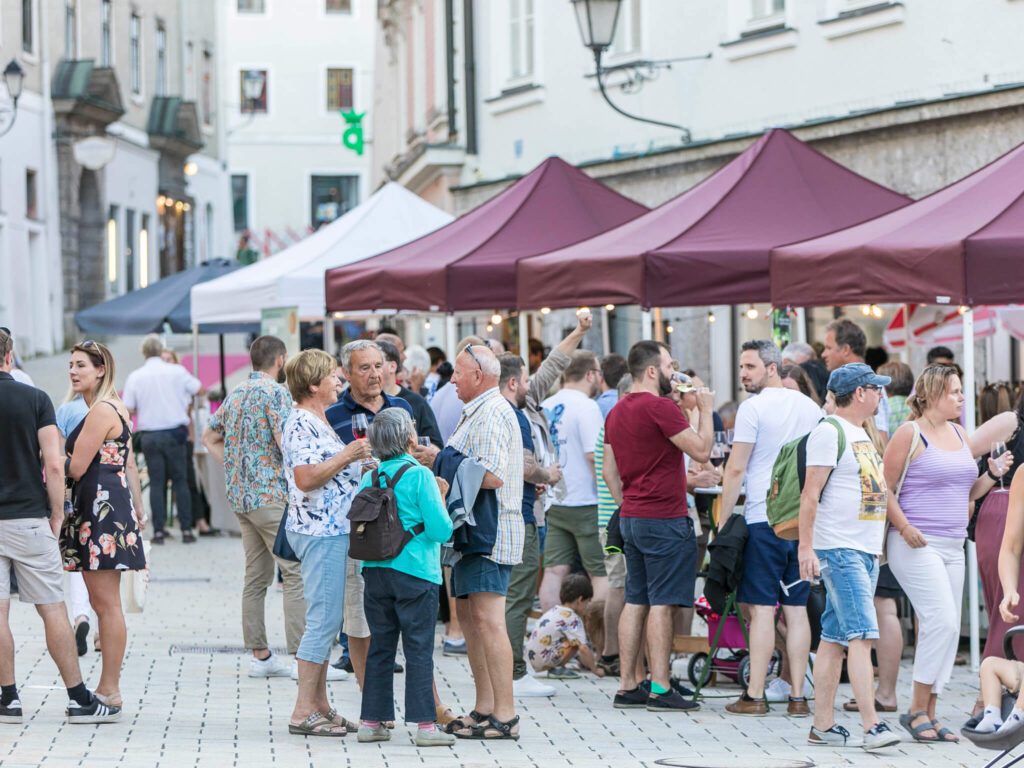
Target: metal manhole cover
{"x": 748, "y": 761}
{"x": 201, "y": 650}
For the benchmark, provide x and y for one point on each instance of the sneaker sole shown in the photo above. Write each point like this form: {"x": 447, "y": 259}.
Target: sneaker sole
{"x": 746, "y": 714}
{"x": 419, "y": 743}
{"x": 617, "y": 705}
{"x": 12, "y": 719}
{"x": 371, "y": 739}
{"x": 93, "y": 719}
{"x": 267, "y": 677}
{"x": 882, "y": 745}
{"x": 672, "y": 709}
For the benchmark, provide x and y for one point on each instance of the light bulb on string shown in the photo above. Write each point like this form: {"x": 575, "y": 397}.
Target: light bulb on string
{"x": 545, "y": 310}
{"x": 752, "y": 313}
{"x": 496, "y": 319}
{"x": 711, "y": 316}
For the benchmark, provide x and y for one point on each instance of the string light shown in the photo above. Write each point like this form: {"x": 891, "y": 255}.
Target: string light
{"x": 669, "y": 329}
{"x": 426, "y": 324}
{"x": 545, "y": 310}
{"x": 865, "y": 309}
{"x": 610, "y": 307}
{"x": 877, "y": 312}
{"x": 496, "y": 319}
{"x": 490, "y": 327}
{"x": 963, "y": 309}
{"x": 711, "y": 316}
{"x": 752, "y": 313}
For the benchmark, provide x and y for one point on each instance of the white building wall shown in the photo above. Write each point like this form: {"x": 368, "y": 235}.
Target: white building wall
{"x": 131, "y": 180}
{"x": 296, "y": 42}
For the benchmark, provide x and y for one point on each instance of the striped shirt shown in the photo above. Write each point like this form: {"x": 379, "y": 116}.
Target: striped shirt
{"x": 934, "y": 495}
{"x": 488, "y": 432}
{"x": 606, "y": 505}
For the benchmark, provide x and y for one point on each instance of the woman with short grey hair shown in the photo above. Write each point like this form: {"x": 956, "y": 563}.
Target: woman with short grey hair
{"x": 400, "y": 595}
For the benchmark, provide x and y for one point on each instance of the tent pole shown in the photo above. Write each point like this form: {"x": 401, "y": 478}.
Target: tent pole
{"x": 524, "y": 336}
{"x": 646, "y": 324}
{"x": 328, "y": 334}
{"x": 606, "y": 332}
{"x": 195, "y": 350}
{"x": 449, "y": 337}
{"x": 223, "y": 378}
{"x": 972, "y": 552}
{"x": 801, "y": 325}
{"x": 906, "y": 332}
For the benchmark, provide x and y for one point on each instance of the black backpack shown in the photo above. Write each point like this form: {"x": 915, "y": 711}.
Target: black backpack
{"x": 377, "y": 533}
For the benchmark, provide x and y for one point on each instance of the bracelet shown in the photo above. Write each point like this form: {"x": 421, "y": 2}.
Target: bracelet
{"x": 993, "y": 477}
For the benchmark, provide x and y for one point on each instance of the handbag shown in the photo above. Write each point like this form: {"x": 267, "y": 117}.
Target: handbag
{"x": 135, "y": 586}
{"x": 282, "y": 548}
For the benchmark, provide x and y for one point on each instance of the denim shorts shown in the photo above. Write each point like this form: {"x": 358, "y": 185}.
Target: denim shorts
{"x": 323, "y": 565}
{"x": 661, "y": 560}
{"x": 767, "y": 560}
{"x": 478, "y": 573}
{"x": 850, "y": 577}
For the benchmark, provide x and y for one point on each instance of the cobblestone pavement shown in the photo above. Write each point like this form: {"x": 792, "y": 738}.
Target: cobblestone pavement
{"x": 198, "y": 708}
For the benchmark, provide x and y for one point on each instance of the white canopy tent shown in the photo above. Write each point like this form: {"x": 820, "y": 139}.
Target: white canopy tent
{"x": 294, "y": 277}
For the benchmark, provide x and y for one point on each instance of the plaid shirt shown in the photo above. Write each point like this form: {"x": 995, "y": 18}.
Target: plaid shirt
{"x": 488, "y": 432}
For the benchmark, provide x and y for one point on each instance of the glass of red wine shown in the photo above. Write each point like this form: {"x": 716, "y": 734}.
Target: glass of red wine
{"x": 360, "y": 425}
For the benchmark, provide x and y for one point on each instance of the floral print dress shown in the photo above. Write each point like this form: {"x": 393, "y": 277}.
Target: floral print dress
{"x": 101, "y": 533}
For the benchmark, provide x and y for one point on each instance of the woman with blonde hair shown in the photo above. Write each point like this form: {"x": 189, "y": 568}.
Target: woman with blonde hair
{"x": 930, "y": 471}
{"x": 103, "y": 534}
{"x": 323, "y": 475}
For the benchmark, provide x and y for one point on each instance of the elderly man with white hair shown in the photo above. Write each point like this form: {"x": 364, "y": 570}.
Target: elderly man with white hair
{"x": 799, "y": 353}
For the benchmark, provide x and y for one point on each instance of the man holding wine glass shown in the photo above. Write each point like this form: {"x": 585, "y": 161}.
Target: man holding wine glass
{"x": 765, "y": 422}
{"x": 362, "y": 362}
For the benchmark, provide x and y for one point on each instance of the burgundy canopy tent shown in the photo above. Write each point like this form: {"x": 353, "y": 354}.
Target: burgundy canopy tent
{"x": 470, "y": 263}
{"x": 711, "y": 244}
{"x": 962, "y": 245}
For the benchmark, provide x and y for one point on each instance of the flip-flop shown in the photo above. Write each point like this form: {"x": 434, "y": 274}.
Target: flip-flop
{"x": 851, "y": 706}
{"x": 316, "y": 724}
{"x": 916, "y": 730}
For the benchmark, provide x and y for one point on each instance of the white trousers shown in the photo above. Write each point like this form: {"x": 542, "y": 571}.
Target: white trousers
{"x": 933, "y": 578}
{"x": 78, "y": 596}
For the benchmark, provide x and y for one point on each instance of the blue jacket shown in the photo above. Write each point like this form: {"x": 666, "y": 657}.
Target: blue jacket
{"x": 476, "y": 537}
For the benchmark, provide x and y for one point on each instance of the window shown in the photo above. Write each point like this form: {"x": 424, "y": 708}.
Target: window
{"x": 31, "y": 194}
{"x": 627, "y": 31}
{"x": 256, "y": 77}
{"x": 112, "y": 245}
{"x": 28, "y": 36}
{"x": 521, "y": 40}
{"x": 129, "y": 249}
{"x": 338, "y": 6}
{"x": 339, "y": 90}
{"x": 210, "y": 254}
{"x": 190, "y": 71}
{"x": 331, "y": 197}
{"x": 144, "y": 252}
{"x": 240, "y": 201}
{"x": 252, "y": 6}
{"x": 206, "y": 86}
{"x": 761, "y": 10}
{"x": 70, "y": 30}
{"x": 161, "y": 59}
{"x": 106, "y": 35}
{"x": 135, "y": 54}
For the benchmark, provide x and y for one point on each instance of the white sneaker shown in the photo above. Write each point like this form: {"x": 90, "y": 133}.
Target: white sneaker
{"x": 334, "y": 675}
{"x": 272, "y": 666}
{"x": 778, "y": 690}
{"x": 529, "y": 687}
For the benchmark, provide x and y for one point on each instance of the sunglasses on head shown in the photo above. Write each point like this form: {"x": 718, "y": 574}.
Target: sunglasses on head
{"x": 469, "y": 351}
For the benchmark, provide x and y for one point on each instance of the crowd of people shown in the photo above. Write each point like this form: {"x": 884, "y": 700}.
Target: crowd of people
{"x": 553, "y": 513}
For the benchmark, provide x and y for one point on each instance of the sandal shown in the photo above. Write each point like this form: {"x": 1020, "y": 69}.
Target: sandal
{"x": 944, "y": 732}
{"x": 492, "y": 730}
{"x": 316, "y": 724}
{"x": 916, "y": 730}
{"x": 851, "y": 706}
{"x": 460, "y": 724}
{"x": 334, "y": 717}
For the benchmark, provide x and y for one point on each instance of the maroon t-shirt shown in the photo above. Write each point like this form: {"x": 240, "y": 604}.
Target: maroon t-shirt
{"x": 639, "y": 429}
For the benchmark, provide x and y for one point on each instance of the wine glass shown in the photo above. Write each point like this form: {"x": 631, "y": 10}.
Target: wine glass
{"x": 360, "y": 425}
{"x": 424, "y": 441}
{"x": 998, "y": 449}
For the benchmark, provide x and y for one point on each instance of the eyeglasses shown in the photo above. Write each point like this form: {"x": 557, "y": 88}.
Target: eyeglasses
{"x": 875, "y": 387}
{"x": 88, "y": 343}
{"x": 469, "y": 351}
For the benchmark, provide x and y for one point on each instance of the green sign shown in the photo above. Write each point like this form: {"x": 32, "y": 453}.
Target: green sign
{"x": 353, "y": 135}
{"x": 282, "y": 322}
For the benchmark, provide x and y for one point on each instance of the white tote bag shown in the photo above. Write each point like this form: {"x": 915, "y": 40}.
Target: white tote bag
{"x": 135, "y": 585}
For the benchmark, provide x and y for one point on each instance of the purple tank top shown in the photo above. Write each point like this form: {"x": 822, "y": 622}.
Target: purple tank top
{"x": 936, "y": 490}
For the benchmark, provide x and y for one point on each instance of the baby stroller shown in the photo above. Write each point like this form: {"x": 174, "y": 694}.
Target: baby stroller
{"x": 1004, "y": 743}
{"x": 727, "y": 641}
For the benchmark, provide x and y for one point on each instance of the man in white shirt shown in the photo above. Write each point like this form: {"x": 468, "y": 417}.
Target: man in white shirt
{"x": 765, "y": 422}
{"x": 842, "y": 524}
{"x": 575, "y": 420}
{"x": 158, "y": 394}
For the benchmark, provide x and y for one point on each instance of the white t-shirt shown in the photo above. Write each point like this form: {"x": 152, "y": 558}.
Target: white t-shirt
{"x": 160, "y": 394}
{"x": 851, "y": 513}
{"x": 768, "y": 421}
{"x": 575, "y": 420}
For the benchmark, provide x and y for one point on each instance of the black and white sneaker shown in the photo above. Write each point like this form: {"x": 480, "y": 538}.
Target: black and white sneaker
{"x": 97, "y": 712}
{"x": 670, "y": 702}
{"x": 879, "y": 737}
{"x": 11, "y": 713}
{"x": 836, "y": 736}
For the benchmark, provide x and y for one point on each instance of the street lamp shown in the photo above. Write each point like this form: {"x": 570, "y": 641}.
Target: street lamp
{"x": 252, "y": 87}
{"x": 597, "y": 20}
{"x": 14, "y": 78}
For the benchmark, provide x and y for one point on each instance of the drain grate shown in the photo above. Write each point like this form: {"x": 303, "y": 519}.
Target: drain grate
{"x": 180, "y": 580}
{"x": 739, "y": 761}
{"x": 206, "y": 650}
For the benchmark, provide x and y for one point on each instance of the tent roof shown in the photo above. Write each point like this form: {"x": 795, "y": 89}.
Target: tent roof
{"x": 294, "y": 277}
{"x": 470, "y": 264}
{"x": 710, "y": 245}
{"x": 147, "y": 309}
{"x": 960, "y": 245}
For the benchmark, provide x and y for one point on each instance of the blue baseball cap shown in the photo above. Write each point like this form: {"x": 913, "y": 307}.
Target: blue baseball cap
{"x": 846, "y": 379}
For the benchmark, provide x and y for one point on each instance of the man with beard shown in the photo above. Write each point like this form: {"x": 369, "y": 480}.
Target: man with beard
{"x": 765, "y": 422}
{"x": 514, "y": 384}
{"x": 644, "y": 436}
{"x": 245, "y": 434}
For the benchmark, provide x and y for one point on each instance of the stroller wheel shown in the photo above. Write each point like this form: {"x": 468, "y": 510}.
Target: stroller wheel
{"x": 743, "y": 672}
{"x": 697, "y": 669}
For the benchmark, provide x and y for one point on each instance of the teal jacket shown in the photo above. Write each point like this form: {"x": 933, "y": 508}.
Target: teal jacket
{"x": 419, "y": 501}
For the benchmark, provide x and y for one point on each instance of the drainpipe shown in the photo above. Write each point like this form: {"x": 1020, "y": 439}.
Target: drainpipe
{"x": 449, "y": 66}
{"x": 51, "y": 180}
{"x": 469, "y": 72}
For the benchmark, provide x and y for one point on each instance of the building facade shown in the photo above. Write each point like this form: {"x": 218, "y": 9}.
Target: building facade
{"x": 912, "y": 94}
{"x": 120, "y": 112}
{"x": 291, "y": 70}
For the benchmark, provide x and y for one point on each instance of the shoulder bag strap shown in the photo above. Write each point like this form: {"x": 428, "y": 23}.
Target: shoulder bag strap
{"x": 914, "y": 442}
